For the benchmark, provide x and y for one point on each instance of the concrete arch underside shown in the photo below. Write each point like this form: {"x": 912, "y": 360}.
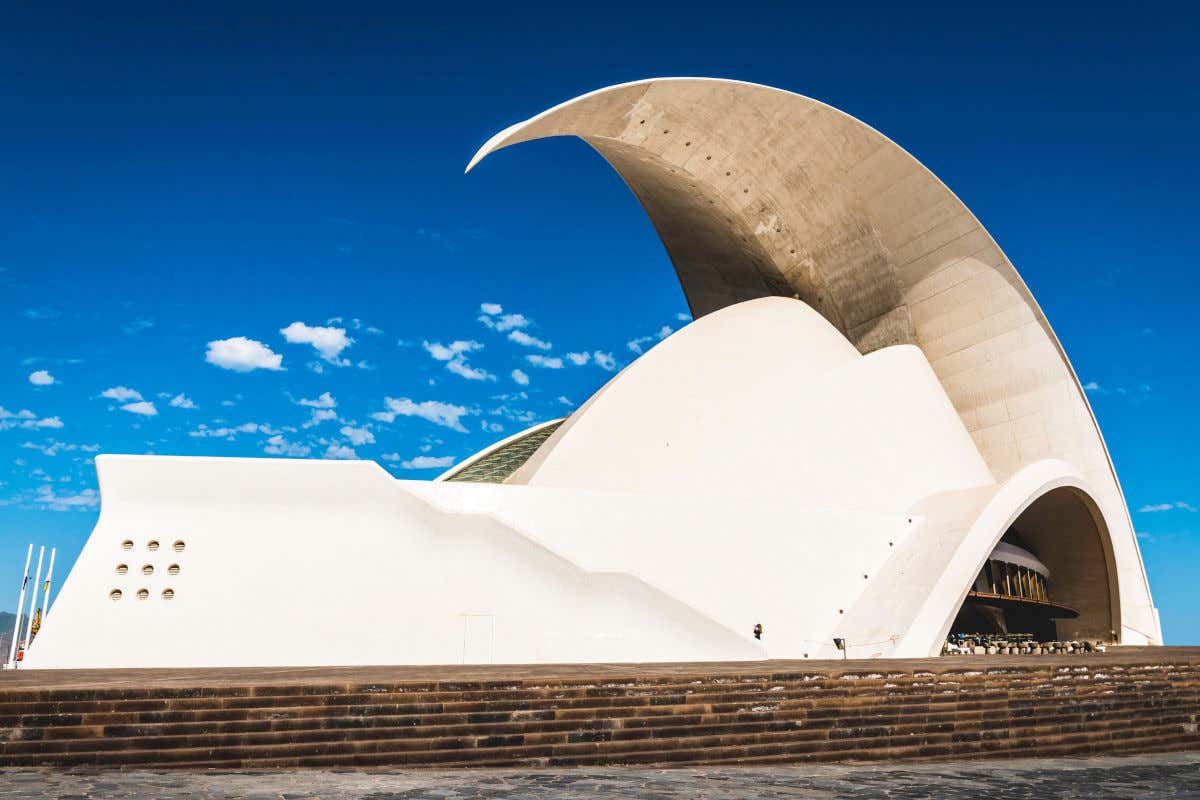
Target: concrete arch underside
{"x": 760, "y": 192}
{"x": 1063, "y": 525}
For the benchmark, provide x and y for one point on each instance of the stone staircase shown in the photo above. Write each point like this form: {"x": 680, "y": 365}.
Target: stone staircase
{"x": 658, "y": 714}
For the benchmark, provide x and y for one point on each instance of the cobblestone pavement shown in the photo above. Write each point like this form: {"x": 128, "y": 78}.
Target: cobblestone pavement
{"x": 1173, "y": 775}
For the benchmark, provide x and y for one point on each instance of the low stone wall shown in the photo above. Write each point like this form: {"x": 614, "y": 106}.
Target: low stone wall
{"x": 605, "y": 714}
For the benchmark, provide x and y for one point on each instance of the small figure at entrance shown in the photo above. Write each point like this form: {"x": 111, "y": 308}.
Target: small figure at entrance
{"x": 758, "y": 630}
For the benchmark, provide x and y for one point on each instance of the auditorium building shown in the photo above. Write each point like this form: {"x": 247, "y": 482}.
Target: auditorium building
{"x": 869, "y": 434}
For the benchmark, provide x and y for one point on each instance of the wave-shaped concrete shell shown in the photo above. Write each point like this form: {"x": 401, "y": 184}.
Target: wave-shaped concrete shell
{"x": 758, "y": 192}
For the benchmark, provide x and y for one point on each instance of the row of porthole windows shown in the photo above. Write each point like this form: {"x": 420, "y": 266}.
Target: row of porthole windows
{"x": 147, "y": 569}
{"x": 153, "y": 545}
{"x": 142, "y": 594}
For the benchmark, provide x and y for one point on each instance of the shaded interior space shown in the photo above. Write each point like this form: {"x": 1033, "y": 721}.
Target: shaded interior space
{"x": 1049, "y": 577}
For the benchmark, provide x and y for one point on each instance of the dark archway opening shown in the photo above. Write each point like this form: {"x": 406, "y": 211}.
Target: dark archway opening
{"x": 1048, "y": 578}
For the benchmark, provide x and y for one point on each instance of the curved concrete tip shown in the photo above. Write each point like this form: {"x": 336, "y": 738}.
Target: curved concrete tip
{"x": 495, "y": 143}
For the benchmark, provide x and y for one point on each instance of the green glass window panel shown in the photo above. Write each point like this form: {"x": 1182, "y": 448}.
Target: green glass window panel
{"x": 499, "y": 464}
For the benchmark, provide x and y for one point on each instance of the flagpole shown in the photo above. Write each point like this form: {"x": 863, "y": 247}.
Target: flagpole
{"x": 12, "y": 649}
{"x": 33, "y": 601}
{"x": 49, "y": 581}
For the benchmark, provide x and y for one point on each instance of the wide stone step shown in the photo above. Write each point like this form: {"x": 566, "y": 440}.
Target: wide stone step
{"x": 73, "y": 727}
{"x": 216, "y": 709}
{"x": 250, "y": 697}
{"x": 833, "y": 730}
{"x": 657, "y": 714}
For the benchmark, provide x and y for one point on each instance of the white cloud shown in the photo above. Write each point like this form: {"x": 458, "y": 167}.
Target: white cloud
{"x": 53, "y": 447}
{"x": 181, "y": 400}
{"x": 683, "y": 317}
{"x": 323, "y": 400}
{"x": 514, "y": 414}
{"x": 242, "y": 355}
{"x": 579, "y": 359}
{"x": 443, "y": 352}
{"x": 354, "y": 324}
{"x": 26, "y": 420}
{"x": 41, "y": 378}
{"x": 446, "y": 415}
{"x": 545, "y": 362}
{"x": 428, "y": 462}
{"x": 604, "y": 360}
{"x": 523, "y": 338}
{"x": 487, "y": 427}
{"x": 1156, "y": 507}
{"x": 143, "y": 408}
{"x": 329, "y": 342}
{"x": 319, "y": 415}
{"x": 82, "y": 501}
{"x": 1137, "y": 394}
{"x": 121, "y": 394}
{"x": 505, "y": 322}
{"x": 139, "y": 324}
{"x": 391, "y": 456}
{"x": 278, "y": 446}
{"x": 205, "y": 432}
{"x": 563, "y": 399}
{"x": 491, "y": 309}
{"x": 340, "y": 451}
{"x": 460, "y": 367}
{"x": 638, "y": 345}
{"x": 520, "y": 377}
{"x": 455, "y": 357}
{"x": 358, "y": 436}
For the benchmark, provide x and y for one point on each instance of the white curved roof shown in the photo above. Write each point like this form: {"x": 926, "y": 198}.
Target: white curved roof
{"x": 756, "y": 192}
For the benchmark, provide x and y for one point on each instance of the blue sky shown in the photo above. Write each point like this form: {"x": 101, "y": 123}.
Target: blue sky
{"x": 287, "y": 182}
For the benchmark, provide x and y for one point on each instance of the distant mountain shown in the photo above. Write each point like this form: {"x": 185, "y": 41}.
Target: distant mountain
{"x": 6, "y": 629}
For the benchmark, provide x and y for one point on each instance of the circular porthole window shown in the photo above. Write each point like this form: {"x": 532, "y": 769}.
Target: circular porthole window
{"x": 143, "y": 594}
{"x": 168, "y": 594}
{"x": 173, "y": 569}
{"x": 114, "y": 595}
{"x": 122, "y": 569}
{"x": 127, "y": 544}
{"x": 147, "y": 569}
{"x": 179, "y": 545}
{"x": 152, "y": 545}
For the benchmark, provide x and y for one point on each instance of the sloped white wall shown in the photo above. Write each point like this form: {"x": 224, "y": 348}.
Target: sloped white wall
{"x": 784, "y": 561}
{"x": 314, "y": 562}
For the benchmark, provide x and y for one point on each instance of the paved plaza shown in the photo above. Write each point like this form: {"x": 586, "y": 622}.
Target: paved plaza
{"x": 1150, "y": 776}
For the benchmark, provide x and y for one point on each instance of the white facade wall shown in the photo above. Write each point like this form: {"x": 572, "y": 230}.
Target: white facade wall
{"x": 713, "y": 485}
